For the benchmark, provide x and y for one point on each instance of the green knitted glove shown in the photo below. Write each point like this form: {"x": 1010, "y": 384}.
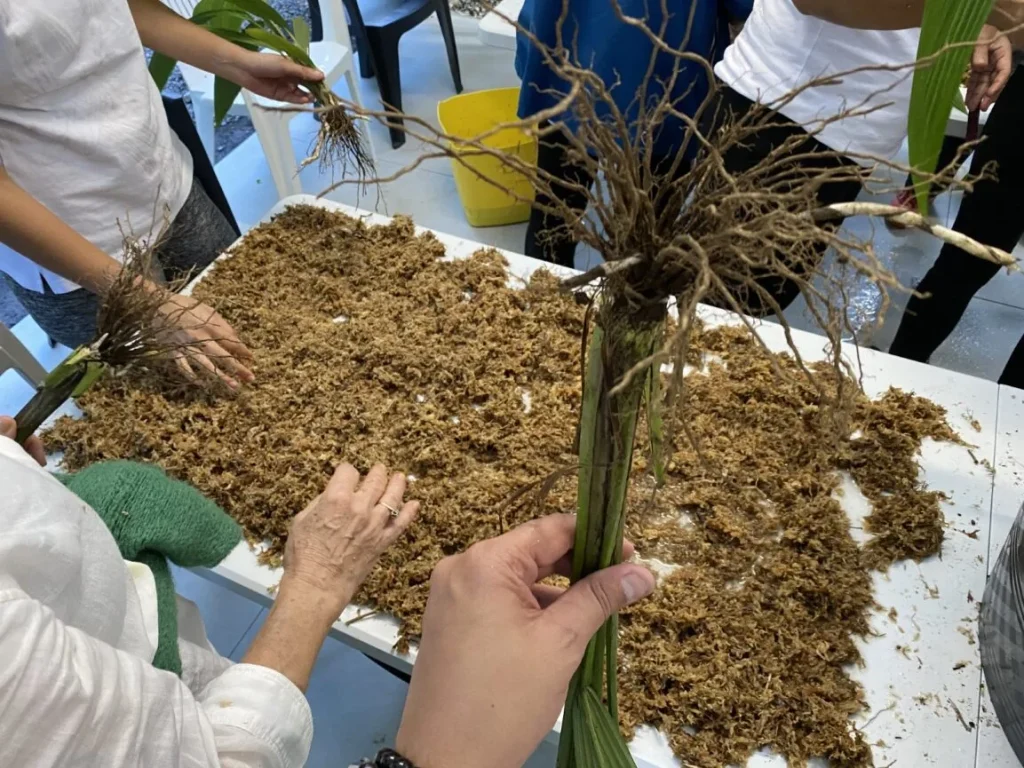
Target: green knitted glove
{"x": 154, "y": 518}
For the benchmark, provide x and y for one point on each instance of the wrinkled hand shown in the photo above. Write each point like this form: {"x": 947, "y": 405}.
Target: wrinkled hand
{"x": 274, "y": 76}
{"x": 335, "y": 541}
{"x": 203, "y": 338}
{"x": 498, "y": 649}
{"x": 33, "y": 446}
{"x": 991, "y": 67}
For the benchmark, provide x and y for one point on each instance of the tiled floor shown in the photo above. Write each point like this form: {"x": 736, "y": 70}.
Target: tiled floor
{"x": 356, "y": 705}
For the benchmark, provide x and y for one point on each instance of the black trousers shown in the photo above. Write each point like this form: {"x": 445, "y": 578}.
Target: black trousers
{"x": 545, "y": 241}
{"x": 546, "y": 238}
{"x": 993, "y": 215}
{"x": 746, "y": 156}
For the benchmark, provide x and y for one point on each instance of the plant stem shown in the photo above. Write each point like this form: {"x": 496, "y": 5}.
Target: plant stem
{"x": 44, "y": 403}
{"x": 623, "y": 336}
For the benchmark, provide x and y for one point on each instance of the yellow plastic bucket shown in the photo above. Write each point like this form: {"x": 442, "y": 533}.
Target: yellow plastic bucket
{"x": 469, "y": 115}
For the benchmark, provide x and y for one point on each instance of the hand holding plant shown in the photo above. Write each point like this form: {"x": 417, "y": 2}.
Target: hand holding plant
{"x": 273, "y": 76}
{"x": 201, "y": 337}
{"x": 499, "y": 649}
{"x": 991, "y": 66}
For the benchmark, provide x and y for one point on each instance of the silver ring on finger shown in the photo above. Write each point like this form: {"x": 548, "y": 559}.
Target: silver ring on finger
{"x": 391, "y": 510}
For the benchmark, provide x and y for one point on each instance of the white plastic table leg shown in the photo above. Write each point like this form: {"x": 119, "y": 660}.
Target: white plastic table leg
{"x": 202, "y": 105}
{"x": 362, "y": 125}
{"x": 276, "y": 140}
{"x": 14, "y": 355}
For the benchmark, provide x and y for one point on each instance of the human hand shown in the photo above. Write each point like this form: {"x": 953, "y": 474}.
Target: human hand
{"x": 991, "y": 67}
{"x": 498, "y": 649}
{"x": 274, "y": 76}
{"x": 202, "y": 337}
{"x": 33, "y": 446}
{"x": 336, "y": 540}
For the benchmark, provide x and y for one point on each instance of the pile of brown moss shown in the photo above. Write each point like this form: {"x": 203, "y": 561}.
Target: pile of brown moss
{"x": 370, "y": 348}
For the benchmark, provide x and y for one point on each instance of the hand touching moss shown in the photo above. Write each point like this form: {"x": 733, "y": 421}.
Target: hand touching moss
{"x": 338, "y": 538}
{"x": 498, "y": 648}
{"x": 204, "y": 339}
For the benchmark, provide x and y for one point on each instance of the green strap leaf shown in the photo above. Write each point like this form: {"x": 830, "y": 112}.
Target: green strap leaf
{"x": 610, "y": 750}
{"x": 161, "y": 67}
{"x": 958, "y": 102}
{"x": 263, "y": 11}
{"x": 94, "y": 371}
{"x": 224, "y": 94}
{"x": 655, "y": 423}
{"x": 69, "y": 366}
{"x": 279, "y": 44}
{"x": 945, "y": 22}
{"x": 302, "y": 33}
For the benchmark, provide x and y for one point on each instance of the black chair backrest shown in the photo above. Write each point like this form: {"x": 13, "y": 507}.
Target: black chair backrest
{"x": 181, "y": 123}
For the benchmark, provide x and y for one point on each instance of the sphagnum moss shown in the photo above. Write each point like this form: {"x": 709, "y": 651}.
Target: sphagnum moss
{"x": 369, "y": 348}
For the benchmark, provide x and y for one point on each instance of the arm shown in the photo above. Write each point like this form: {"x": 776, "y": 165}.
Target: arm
{"x": 53, "y": 674}
{"x": 331, "y": 548}
{"x": 168, "y": 33}
{"x": 293, "y": 633}
{"x": 70, "y": 698}
{"x": 865, "y": 14}
{"x": 1008, "y": 16}
{"x": 270, "y": 75}
{"x": 28, "y": 227}
{"x": 887, "y": 14}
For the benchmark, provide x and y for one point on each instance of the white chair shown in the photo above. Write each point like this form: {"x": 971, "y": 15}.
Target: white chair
{"x": 332, "y": 56}
{"x": 15, "y": 356}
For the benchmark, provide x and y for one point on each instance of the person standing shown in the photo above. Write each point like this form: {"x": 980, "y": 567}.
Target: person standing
{"x": 85, "y": 147}
{"x": 991, "y": 214}
{"x": 595, "y": 38}
{"x": 848, "y": 124}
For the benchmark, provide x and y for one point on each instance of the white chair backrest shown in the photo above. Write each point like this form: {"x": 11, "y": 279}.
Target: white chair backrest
{"x": 335, "y": 22}
{"x": 181, "y": 7}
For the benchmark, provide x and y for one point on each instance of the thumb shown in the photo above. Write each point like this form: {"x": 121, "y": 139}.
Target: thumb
{"x": 591, "y": 601}
{"x": 300, "y": 72}
{"x": 7, "y": 427}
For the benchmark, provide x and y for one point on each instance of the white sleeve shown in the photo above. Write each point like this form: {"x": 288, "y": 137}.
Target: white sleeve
{"x": 70, "y": 699}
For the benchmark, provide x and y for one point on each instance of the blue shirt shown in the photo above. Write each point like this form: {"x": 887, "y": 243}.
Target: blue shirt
{"x": 620, "y": 54}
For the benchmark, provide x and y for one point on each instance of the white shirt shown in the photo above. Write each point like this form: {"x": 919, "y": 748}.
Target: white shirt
{"x": 77, "y": 635}
{"x": 82, "y": 126}
{"x": 780, "y": 49}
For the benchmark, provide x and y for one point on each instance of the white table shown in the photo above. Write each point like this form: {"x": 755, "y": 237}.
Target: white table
{"x": 936, "y": 623}
{"x": 495, "y": 30}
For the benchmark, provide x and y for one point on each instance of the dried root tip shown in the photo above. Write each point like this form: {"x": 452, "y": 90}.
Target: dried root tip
{"x": 339, "y": 141}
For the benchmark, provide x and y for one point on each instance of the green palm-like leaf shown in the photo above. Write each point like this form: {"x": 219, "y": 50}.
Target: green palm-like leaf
{"x": 94, "y": 371}
{"x": 258, "y": 9}
{"x": 599, "y": 727}
{"x": 161, "y": 67}
{"x": 945, "y": 23}
{"x": 279, "y": 44}
{"x": 231, "y": 19}
{"x": 958, "y": 102}
{"x": 302, "y": 33}
{"x": 224, "y": 94}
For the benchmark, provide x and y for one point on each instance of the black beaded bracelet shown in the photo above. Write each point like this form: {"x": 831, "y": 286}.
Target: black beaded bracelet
{"x": 387, "y": 758}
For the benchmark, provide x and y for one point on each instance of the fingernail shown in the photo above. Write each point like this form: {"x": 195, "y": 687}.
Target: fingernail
{"x": 637, "y": 584}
